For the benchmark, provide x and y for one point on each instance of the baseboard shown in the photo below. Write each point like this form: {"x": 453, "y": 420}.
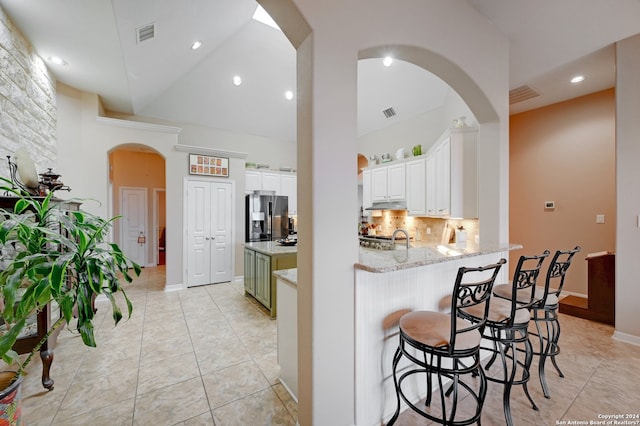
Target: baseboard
{"x": 174, "y": 287}
{"x": 571, "y": 293}
{"x": 627, "y": 338}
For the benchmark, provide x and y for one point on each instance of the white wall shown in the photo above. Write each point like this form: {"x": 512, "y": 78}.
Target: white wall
{"x": 627, "y": 179}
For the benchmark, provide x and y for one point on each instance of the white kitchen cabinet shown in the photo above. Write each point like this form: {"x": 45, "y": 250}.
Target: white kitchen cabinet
{"x": 379, "y": 184}
{"x": 464, "y": 173}
{"x": 388, "y": 183}
{"x": 366, "y": 190}
{"x": 416, "y": 191}
{"x": 431, "y": 185}
{"x": 289, "y": 188}
{"x": 397, "y": 184}
{"x": 252, "y": 181}
{"x": 271, "y": 182}
{"x": 452, "y": 175}
{"x": 443, "y": 178}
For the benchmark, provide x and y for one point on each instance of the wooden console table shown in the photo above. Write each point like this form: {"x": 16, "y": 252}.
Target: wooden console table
{"x": 600, "y": 305}
{"x": 35, "y": 331}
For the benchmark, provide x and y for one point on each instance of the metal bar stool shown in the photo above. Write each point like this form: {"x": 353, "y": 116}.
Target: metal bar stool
{"x": 452, "y": 346}
{"x": 507, "y": 328}
{"x": 545, "y": 314}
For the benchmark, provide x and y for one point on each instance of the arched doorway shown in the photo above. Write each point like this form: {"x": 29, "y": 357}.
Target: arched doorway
{"x": 137, "y": 186}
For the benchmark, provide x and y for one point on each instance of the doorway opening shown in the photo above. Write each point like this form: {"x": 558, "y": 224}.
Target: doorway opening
{"x": 134, "y": 170}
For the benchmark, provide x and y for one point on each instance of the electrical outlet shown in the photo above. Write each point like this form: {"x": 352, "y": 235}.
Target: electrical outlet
{"x": 599, "y": 218}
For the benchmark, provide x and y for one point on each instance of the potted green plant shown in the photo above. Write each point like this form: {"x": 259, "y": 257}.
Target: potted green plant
{"x": 48, "y": 255}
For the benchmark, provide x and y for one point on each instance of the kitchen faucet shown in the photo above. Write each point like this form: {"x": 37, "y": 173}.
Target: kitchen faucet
{"x": 406, "y": 234}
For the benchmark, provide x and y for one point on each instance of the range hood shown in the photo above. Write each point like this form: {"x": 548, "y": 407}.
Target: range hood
{"x": 388, "y": 205}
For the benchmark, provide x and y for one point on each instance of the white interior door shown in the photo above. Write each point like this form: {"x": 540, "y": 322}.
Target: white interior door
{"x": 133, "y": 224}
{"x": 209, "y": 224}
{"x": 221, "y": 224}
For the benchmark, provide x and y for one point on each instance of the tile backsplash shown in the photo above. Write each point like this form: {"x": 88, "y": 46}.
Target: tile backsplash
{"x": 422, "y": 229}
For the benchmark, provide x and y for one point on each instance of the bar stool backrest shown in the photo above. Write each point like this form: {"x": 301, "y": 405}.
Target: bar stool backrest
{"x": 468, "y": 294}
{"x": 557, "y": 271}
{"x": 524, "y": 282}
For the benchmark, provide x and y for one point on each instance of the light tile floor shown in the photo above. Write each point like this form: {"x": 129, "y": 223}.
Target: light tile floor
{"x": 202, "y": 356}
{"x": 208, "y": 356}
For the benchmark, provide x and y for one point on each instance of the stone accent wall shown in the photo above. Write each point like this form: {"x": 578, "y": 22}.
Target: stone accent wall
{"x": 27, "y": 100}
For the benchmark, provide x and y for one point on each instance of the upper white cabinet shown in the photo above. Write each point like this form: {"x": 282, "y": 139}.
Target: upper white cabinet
{"x": 282, "y": 183}
{"x": 289, "y": 187}
{"x": 452, "y": 175}
{"x": 438, "y": 181}
{"x": 366, "y": 189}
{"x": 441, "y": 183}
{"x": 252, "y": 181}
{"x": 271, "y": 182}
{"x": 388, "y": 183}
{"x": 416, "y": 193}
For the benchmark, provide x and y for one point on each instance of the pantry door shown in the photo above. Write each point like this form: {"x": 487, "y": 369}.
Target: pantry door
{"x": 209, "y": 237}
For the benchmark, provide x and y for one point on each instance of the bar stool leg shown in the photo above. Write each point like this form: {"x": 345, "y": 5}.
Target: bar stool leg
{"x": 555, "y": 349}
{"x": 396, "y": 360}
{"x": 527, "y": 362}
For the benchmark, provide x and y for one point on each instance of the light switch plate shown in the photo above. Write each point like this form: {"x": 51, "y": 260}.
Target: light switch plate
{"x": 599, "y": 218}
{"x": 549, "y": 205}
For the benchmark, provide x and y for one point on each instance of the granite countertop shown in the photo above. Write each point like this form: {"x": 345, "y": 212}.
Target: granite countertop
{"x": 288, "y": 275}
{"x": 373, "y": 260}
{"x": 271, "y": 248}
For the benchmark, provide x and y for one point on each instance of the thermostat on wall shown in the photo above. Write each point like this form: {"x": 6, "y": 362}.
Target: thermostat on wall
{"x": 549, "y": 205}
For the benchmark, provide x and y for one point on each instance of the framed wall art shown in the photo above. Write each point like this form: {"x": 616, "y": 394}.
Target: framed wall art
{"x": 205, "y": 165}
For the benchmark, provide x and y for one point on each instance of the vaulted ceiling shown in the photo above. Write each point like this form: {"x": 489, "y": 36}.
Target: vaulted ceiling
{"x": 551, "y": 40}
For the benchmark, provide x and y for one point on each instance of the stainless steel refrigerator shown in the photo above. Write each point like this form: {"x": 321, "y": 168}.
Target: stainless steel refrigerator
{"x": 266, "y": 216}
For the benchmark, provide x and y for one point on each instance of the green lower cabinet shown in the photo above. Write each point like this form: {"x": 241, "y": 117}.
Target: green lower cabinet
{"x": 250, "y": 272}
{"x": 258, "y": 279}
{"x": 263, "y": 279}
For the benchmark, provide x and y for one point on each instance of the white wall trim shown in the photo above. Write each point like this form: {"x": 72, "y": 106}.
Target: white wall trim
{"x": 174, "y": 287}
{"x": 138, "y": 125}
{"x": 210, "y": 151}
{"x": 627, "y": 338}
{"x": 571, "y": 293}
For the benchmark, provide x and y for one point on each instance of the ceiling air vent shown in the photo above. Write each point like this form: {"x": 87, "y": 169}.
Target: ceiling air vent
{"x": 389, "y": 112}
{"x": 146, "y": 32}
{"x": 522, "y": 93}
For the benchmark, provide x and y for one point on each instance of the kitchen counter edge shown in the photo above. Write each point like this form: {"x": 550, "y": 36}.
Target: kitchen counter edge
{"x": 379, "y": 261}
{"x": 289, "y": 276}
{"x": 270, "y": 248}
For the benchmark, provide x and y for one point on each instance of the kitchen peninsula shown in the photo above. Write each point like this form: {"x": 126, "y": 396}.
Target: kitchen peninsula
{"x": 388, "y": 284}
{"x": 261, "y": 259}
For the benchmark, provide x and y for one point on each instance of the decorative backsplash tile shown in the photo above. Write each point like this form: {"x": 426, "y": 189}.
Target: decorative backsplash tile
{"x": 423, "y": 229}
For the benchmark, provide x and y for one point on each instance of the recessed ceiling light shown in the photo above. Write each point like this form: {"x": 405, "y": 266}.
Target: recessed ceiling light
{"x": 288, "y": 94}
{"x": 261, "y": 15}
{"x": 387, "y": 61}
{"x": 56, "y": 60}
{"x": 196, "y": 45}
{"x": 578, "y": 79}
{"x": 237, "y": 81}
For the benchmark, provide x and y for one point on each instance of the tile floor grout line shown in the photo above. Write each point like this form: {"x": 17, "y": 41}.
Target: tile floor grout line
{"x": 144, "y": 317}
{"x": 575, "y": 397}
{"x": 204, "y": 387}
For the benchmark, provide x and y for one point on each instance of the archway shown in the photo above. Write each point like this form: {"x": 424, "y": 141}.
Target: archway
{"x": 139, "y": 169}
